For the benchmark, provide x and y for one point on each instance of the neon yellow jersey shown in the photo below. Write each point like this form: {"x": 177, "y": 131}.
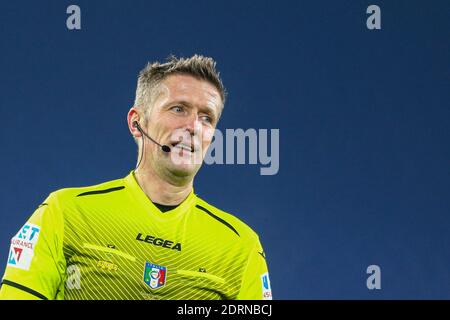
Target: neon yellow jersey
{"x": 109, "y": 241}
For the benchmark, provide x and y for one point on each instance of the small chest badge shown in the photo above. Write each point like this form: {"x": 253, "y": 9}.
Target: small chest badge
{"x": 154, "y": 275}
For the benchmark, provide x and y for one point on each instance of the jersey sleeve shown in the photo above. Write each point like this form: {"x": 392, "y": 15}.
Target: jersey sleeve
{"x": 36, "y": 264}
{"x": 255, "y": 282}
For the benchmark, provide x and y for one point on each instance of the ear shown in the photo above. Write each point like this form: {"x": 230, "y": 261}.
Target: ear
{"x": 133, "y": 116}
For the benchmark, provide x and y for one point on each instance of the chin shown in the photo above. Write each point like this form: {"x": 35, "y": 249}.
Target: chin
{"x": 183, "y": 164}
{"x": 184, "y": 170}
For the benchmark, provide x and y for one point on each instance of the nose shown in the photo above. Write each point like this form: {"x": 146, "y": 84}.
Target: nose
{"x": 193, "y": 125}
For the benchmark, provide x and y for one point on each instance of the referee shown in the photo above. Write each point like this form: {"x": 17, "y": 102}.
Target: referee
{"x": 147, "y": 235}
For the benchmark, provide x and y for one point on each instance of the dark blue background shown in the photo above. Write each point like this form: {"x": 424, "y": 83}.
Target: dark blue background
{"x": 364, "y": 121}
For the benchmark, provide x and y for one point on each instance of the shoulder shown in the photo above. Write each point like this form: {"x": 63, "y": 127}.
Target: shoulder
{"x": 230, "y": 220}
{"x": 73, "y": 195}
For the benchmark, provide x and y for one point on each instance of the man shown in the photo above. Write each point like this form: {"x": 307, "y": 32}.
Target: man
{"x": 148, "y": 235}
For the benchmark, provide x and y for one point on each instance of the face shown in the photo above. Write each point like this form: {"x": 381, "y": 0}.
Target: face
{"x": 183, "y": 116}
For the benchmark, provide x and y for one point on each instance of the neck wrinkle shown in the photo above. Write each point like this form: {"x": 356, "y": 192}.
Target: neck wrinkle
{"x": 162, "y": 191}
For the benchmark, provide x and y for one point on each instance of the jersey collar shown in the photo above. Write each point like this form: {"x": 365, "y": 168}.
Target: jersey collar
{"x": 140, "y": 196}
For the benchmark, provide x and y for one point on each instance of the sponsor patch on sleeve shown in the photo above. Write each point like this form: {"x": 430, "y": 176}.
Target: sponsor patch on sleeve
{"x": 22, "y": 246}
{"x": 266, "y": 289}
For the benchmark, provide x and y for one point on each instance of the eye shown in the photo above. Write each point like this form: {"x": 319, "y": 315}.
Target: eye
{"x": 177, "y": 109}
{"x": 206, "y": 119}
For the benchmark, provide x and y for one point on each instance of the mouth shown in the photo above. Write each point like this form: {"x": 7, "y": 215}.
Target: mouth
{"x": 183, "y": 146}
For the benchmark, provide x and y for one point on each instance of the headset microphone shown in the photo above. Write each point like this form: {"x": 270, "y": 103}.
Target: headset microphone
{"x": 164, "y": 147}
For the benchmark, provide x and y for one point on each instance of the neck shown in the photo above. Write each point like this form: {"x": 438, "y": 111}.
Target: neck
{"x": 161, "y": 190}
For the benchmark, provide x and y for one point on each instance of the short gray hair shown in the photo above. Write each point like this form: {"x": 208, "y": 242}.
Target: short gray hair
{"x": 153, "y": 74}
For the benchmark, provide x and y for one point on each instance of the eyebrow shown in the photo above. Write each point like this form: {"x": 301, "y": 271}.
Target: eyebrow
{"x": 184, "y": 102}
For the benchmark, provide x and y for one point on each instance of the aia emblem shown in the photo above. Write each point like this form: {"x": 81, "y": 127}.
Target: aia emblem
{"x": 154, "y": 275}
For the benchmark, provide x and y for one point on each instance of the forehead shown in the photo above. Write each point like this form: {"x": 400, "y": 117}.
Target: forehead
{"x": 188, "y": 88}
